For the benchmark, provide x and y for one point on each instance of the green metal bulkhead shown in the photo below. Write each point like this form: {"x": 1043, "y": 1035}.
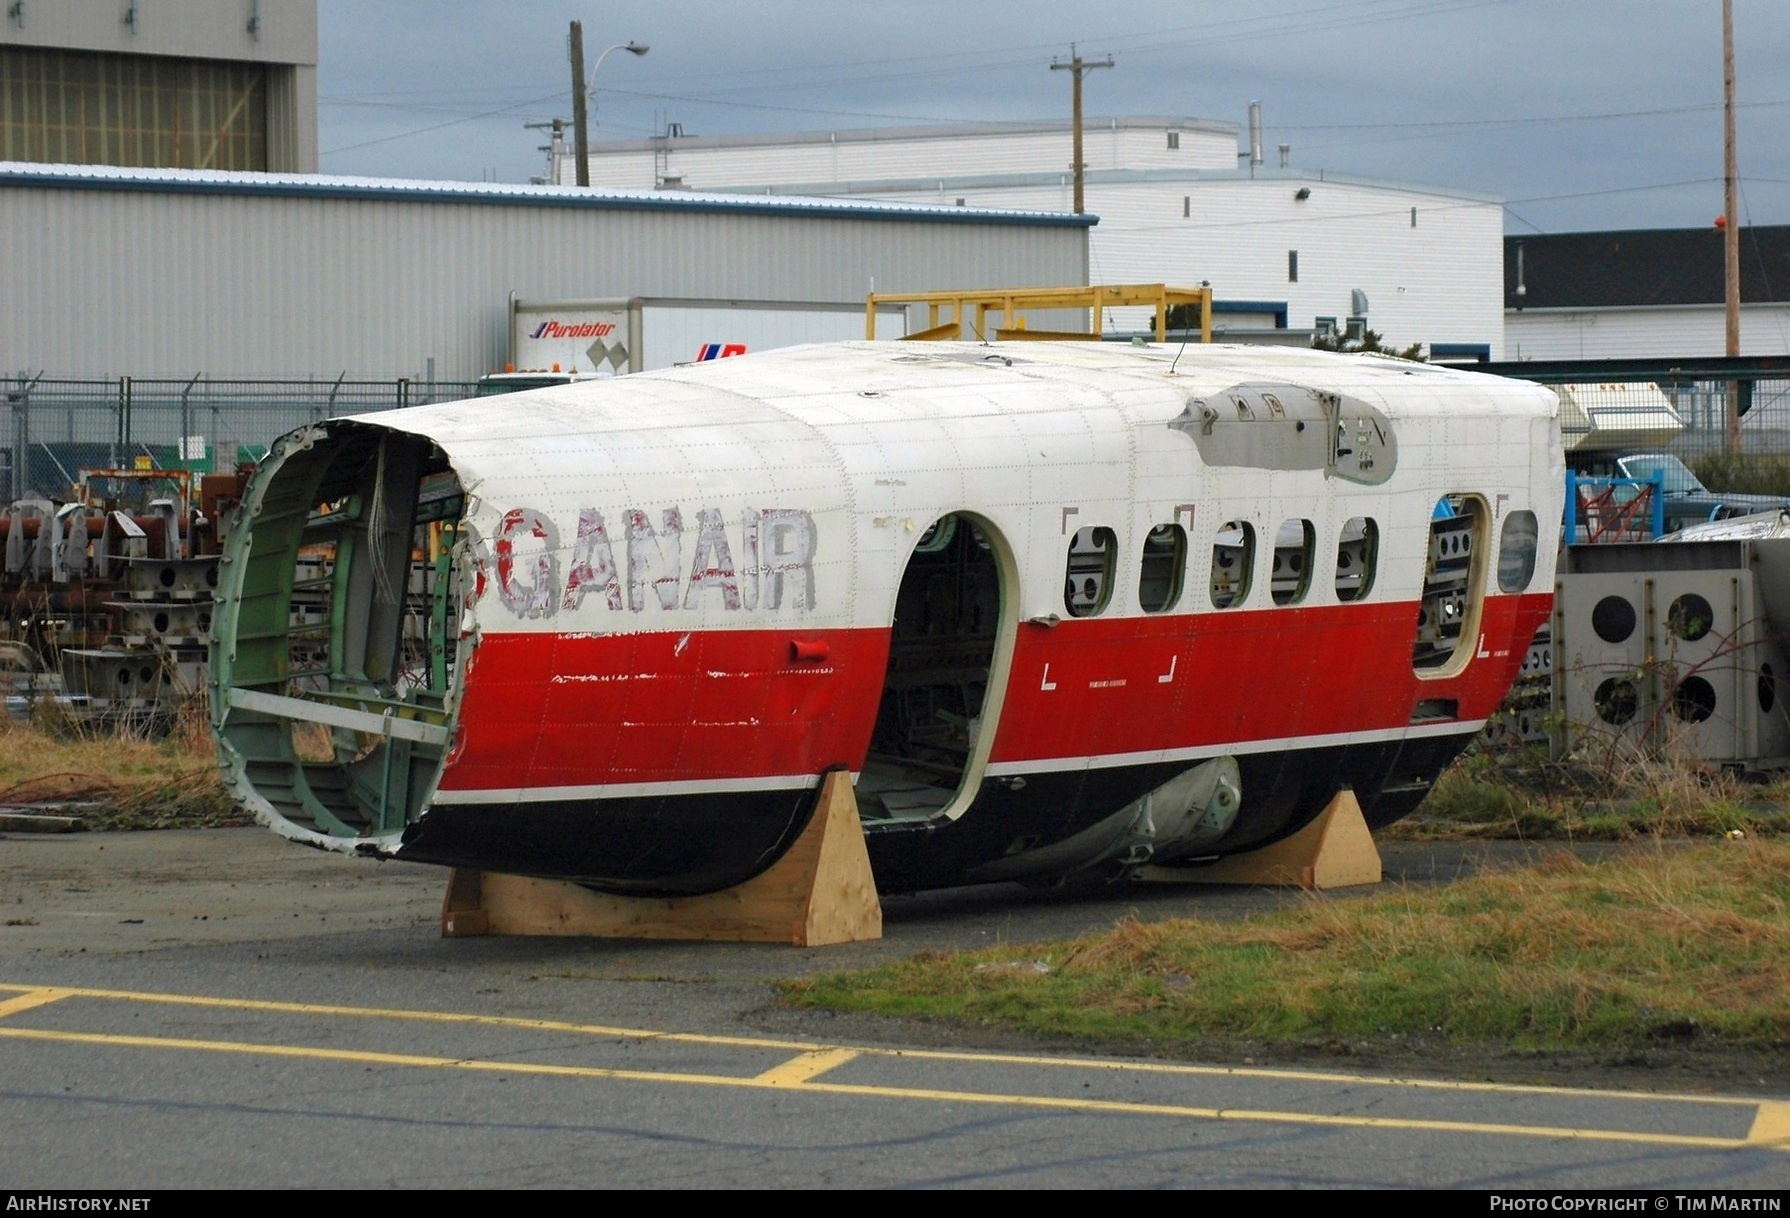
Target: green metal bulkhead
{"x": 333, "y": 674}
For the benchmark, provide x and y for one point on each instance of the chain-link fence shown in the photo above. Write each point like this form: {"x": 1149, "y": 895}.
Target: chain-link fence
{"x": 54, "y": 429}
{"x": 1686, "y": 418}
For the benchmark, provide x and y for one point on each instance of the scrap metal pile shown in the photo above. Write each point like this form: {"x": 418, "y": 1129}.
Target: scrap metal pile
{"x": 106, "y": 595}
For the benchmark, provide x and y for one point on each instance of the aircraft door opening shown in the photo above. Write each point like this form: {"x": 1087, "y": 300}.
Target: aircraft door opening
{"x": 949, "y": 651}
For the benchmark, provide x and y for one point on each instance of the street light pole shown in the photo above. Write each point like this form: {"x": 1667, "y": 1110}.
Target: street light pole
{"x": 1731, "y": 225}
{"x": 582, "y": 85}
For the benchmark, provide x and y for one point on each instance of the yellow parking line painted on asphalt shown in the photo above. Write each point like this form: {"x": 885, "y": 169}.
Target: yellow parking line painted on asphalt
{"x": 1771, "y": 1127}
{"x": 1116, "y": 1107}
{"x": 798, "y": 1070}
{"x": 30, "y": 999}
{"x": 496, "y": 1021}
{"x": 1318, "y": 1076}
{"x": 1119, "y": 1065}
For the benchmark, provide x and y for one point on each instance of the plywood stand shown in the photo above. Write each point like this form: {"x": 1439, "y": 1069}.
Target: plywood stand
{"x": 820, "y": 892}
{"x": 1334, "y": 851}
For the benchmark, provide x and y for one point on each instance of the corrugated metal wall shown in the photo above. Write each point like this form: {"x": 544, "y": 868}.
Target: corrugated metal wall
{"x": 282, "y": 39}
{"x": 1685, "y": 331}
{"x": 127, "y": 282}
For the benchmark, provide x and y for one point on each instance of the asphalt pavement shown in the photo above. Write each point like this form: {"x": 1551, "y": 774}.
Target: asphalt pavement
{"x": 220, "y": 1008}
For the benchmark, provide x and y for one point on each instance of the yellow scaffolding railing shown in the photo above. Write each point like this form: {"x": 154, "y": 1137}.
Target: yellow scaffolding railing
{"x": 951, "y": 313}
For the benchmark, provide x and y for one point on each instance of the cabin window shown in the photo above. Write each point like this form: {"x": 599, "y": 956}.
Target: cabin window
{"x": 1233, "y": 556}
{"x": 1357, "y": 552}
{"x": 1162, "y": 569}
{"x": 1448, "y": 614}
{"x": 1516, "y": 551}
{"x": 1294, "y": 545}
{"x": 1089, "y": 583}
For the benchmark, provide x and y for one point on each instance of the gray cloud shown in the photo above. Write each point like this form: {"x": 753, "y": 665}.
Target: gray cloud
{"x": 1596, "y": 114}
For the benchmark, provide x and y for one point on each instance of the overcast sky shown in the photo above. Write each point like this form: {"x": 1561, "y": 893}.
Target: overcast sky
{"x": 1579, "y": 114}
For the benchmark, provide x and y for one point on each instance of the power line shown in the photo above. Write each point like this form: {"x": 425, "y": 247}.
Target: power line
{"x": 678, "y": 97}
{"x": 1522, "y": 120}
{"x": 1023, "y": 56}
{"x": 1418, "y": 131}
{"x": 1296, "y": 21}
{"x": 1336, "y": 21}
{"x": 1616, "y": 190}
{"x": 452, "y": 122}
{"x": 1511, "y": 212}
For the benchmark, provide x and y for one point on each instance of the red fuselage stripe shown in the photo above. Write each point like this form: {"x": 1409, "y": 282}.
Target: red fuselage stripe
{"x": 561, "y": 710}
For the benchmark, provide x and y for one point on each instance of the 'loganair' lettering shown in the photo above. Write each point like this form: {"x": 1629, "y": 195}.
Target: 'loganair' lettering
{"x": 636, "y": 560}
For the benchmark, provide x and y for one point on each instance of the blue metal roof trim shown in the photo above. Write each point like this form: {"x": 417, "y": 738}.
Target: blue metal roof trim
{"x": 189, "y": 181}
{"x": 1478, "y": 352}
{"x": 1278, "y": 308}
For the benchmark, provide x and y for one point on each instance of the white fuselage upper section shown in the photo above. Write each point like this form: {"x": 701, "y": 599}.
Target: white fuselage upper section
{"x": 793, "y": 485}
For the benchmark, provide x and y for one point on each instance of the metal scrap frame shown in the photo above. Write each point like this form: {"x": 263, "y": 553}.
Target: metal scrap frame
{"x": 974, "y": 307}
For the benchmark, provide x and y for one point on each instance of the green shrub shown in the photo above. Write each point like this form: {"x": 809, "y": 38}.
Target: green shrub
{"x": 1744, "y": 473}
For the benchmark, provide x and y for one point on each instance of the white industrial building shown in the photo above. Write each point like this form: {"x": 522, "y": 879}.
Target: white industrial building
{"x": 168, "y": 273}
{"x": 1282, "y": 247}
{"x": 1643, "y": 293}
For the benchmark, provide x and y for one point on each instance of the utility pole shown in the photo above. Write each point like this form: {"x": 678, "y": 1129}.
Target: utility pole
{"x": 555, "y": 148}
{"x": 1076, "y": 66}
{"x": 580, "y": 119}
{"x": 1731, "y": 213}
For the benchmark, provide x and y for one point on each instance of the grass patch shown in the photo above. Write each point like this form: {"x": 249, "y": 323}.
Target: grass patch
{"x": 1522, "y": 794}
{"x": 120, "y": 779}
{"x": 1670, "y": 944}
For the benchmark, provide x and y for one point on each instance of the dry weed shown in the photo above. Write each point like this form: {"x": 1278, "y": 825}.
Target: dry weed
{"x": 1618, "y": 795}
{"x": 120, "y": 776}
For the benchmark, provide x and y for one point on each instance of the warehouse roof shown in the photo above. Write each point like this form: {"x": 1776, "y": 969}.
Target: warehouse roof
{"x": 1265, "y": 177}
{"x": 936, "y": 131}
{"x": 325, "y": 186}
{"x": 1640, "y": 267}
